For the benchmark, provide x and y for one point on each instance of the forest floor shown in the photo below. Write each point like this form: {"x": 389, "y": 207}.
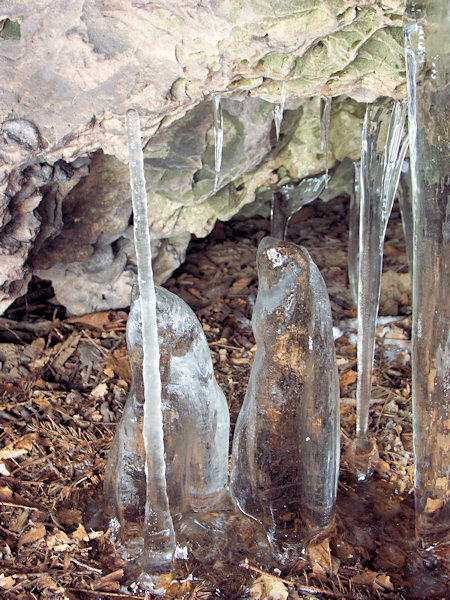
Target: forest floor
{"x": 63, "y": 384}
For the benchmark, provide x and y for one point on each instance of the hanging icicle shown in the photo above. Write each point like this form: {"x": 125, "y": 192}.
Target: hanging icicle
{"x": 159, "y": 536}
{"x": 379, "y": 175}
{"x": 218, "y": 139}
{"x": 325, "y": 127}
{"x": 278, "y": 111}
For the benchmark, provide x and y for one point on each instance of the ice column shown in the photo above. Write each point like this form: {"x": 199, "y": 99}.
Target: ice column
{"x": 427, "y": 34}
{"x": 288, "y": 199}
{"x": 325, "y": 126}
{"x": 218, "y": 138}
{"x": 285, "y": 456}
{"x": 159, "y": 536}
{"x": 379, "y": 175}
{"x": 278, "y": 111}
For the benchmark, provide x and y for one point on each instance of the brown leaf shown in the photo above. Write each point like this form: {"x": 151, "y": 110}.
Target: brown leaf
{"x": 347, "y": 378}
{"x": 18, "y": 447}
{"x": 367, "y": 577}
{"x": 321, "y": 560}
{"x": 118, "y": 363}
{"x": 67, "y": 516}
{"x": 239, "y": 285}
{"x": 266, "y": 588}
{"x": 391, "y": 251}
{"x": 383, "y": 582}
{"x": 98, "y": 320}
{"x": 99, "y": 392}
{"x": 35, "y": 534}
{"x": 6, "y": 582}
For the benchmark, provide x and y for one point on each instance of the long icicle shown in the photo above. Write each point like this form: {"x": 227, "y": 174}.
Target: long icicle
{"x": 218, "y": 139}
{"x": 325, "y": 126}
{"x": 159, "y": 536}
{"x": 426, "y": 28}
{"x": 379, "y": 176}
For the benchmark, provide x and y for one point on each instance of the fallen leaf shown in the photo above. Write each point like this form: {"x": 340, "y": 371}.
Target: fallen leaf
{"x": 383, "y": 582}
{"x": 80, "y": 533}
{"x": 18, "y": 447}
{"x": 239, "y": 285}
{"x": 321, "y": 560}
{"x": 99, "y": 392}
{"x": 58, "y": 542}
{"x": 6, "y": 582}
{"x": 67, "y": 516}
{"x": 382, "y": 466}
{"x": 433, "y": 504}
{"x": 347, "y": 378}
{"x": 98, "y": 320}
{"x": 391, "y": 251}
{"x": 266, "y": 588}
{"x": 4, "y": 469}
{"x": 35, "y": 534}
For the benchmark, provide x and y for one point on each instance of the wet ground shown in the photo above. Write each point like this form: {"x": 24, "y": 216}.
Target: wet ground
{"x": 62, "y": 388}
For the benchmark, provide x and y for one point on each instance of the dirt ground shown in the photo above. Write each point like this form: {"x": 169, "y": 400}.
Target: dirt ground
{"x": 63, "y": 384}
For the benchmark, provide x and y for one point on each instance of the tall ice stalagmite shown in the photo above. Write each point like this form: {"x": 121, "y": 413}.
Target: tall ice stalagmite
{"x": 286, "y": 445}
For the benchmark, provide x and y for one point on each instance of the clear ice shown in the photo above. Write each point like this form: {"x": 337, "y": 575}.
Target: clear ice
{"x": 159, "y": 536}
{"x": 285, "y": 456}
{"x": 218, "y": 138}
{"x": 379, "y": 176}
{"x": 278, "y": 111}
{"x": 427, "y": 33}
{"x": 195, "y": 423}
{"x": 325, "y": 127}
{"x": 404, "y": 194}
{"x": 288, "y": 199}
{"x": 353, "y": 234}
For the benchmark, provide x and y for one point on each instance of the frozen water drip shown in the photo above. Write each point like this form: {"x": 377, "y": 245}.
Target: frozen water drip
{"x": 285, "y": 457}
{"x": 379, "y": 175}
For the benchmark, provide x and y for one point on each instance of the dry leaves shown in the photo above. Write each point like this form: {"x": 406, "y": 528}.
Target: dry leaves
{"x": 266, "y": 588}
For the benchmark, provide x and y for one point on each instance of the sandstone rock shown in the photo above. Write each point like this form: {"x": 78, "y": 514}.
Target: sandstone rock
{"x": 69, "y": 71}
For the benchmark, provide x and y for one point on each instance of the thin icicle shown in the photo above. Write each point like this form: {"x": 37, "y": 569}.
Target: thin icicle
{"x": 278, "y": 111}
{"x": 218, "y": 138}
{"x": 353, "y": 234}
{"x": 159, "y": 536}
{"x": 325, "y": 127}
{"x": 379, "y": 176}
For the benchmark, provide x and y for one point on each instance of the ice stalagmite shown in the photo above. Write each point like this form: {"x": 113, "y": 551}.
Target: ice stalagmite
{"x": 285, "y": 455}
{"x": 170, "y": 452}
{"x": 278, "y": 111}
{"x": 288, "y": 199}
{"x": 195, "y": 423}
{"x": 218, "y": 139}
{"x": 325, "y": 127}
{"x": 427, "y": 34}
{"x": 379, "y": 175}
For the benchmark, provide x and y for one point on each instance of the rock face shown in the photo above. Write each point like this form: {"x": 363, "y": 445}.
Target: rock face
{"x": 69, "y": 71}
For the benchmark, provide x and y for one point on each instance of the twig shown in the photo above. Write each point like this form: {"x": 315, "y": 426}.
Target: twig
{"x": 80, "y": 564}
{"x": 111, "y": 594}
{"x": 16, "y": 505}
{"x": 303, "y": 588}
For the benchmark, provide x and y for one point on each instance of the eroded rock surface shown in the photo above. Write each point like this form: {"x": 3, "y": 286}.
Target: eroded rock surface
{"x": 71, "y": 70}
